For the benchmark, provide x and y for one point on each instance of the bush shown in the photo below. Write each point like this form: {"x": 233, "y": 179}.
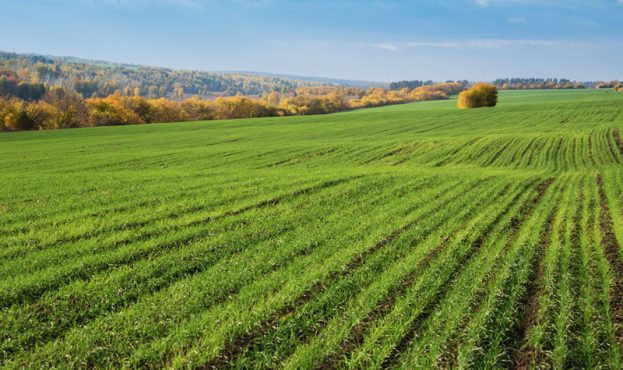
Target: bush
{"x": 428, "y": 93}
{"x": 481, "y": 95}
{"x": 111, "y": 111}
{"x": 72, "y": 109}
{"x": 240, "y": 107}
{"x": 41, "y": 115}
{"x": 5, "y": 110}
{"x": 449, "y": 88}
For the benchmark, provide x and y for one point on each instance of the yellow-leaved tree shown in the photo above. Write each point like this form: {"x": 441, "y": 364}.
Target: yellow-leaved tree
{"x": 480, "y": 95}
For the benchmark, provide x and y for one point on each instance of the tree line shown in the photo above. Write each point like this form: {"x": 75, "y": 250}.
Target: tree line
{"x": 553, "y": 83}
{"x": 617, "y": 85}
{"x": 537, "y": 83}
{"x": 64, "y": 108}
{"x": 412, "y": 84}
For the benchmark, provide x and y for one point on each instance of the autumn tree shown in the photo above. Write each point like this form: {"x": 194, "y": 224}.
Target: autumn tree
{"x": 273, "y": 98}
{"x": 165, "y": 110}
{"x": 480, "y": 95}
{"x": 240, "y": 107}
{"x": 16, "y": 116}
{"x": 449, "y": 88}
{"x": 72, "y": 109}
{"x": 4, "y": 111}
{"x": 41, "y": 115}
{"x": 152, "y": 92}
{"x": 198, "y": 109}
{"x": 428, "y": 93}
{"x": 111, "y": 111}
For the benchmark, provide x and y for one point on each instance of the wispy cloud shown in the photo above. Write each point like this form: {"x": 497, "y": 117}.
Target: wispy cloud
{"x": 518, "y": 20}
{"x": 498, "y": 43}
{"x": 380, "y": 46}
{"x": 477, "y": 44}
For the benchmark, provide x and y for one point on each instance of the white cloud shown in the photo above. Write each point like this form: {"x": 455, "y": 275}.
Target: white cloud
{"x": 380, "y": 46}
{"x": 388, "y": 47}
{"x": 477, "y": 44}
{"x": 517, "y": 20}
{"x": 495, "y": 43}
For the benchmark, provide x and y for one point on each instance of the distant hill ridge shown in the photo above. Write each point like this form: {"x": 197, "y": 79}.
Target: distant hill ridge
{"x": 321, "y": 80}
{"x": 102, "y": 78}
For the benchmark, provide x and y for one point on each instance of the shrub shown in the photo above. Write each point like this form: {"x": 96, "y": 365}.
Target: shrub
{"x": 428, "y": 93}
{"x": 5, "y": 110}
{"x": 72, "y": 109}
{"x": 111, "y": 111}
{"x": 449, "y": 88}
{"x": 481, "y": 95}
{"x": 240, "y": 107}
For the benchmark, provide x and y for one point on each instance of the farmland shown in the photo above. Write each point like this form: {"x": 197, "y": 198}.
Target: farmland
{"x": 408, "y": 236}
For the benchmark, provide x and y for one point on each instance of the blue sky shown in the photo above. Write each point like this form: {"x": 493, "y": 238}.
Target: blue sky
{"x": 354, "y": 39}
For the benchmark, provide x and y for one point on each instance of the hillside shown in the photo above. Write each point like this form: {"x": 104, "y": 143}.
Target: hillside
{"x": 407, "y": 236}
{"x": 322, "y": 80}
{"x": 103, "y": 78}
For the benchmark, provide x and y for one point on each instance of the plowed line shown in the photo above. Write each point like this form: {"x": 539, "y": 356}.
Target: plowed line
{"x": 32, "y": 293}
{"x": 618, "y": 140}
{"x": 516, "y": 223}
{"x": 524, "y": 357}
{"x": 611, "y": 249}
{"x": 244, "y": 342}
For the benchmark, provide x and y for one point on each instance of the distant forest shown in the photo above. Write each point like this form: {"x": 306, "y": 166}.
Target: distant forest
{"x": 552, "y": 83}
{"x": 414, "y": 84}
{"x": 522, "y": 84}
{"x": 100, "y": 79}
{"x": 537, "y": 83}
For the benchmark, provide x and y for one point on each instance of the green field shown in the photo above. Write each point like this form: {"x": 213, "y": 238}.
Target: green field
{"x": 409, "y": 236}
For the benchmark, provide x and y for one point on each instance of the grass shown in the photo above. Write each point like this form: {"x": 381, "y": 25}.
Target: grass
{"x": 408, "y": 236}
